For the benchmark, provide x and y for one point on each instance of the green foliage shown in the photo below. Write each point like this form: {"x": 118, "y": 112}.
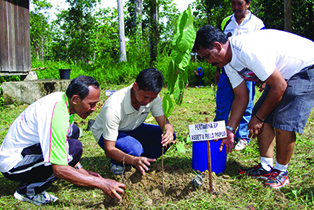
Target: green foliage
{"x": 167, "y": 105}
{"x": 40, "y": 29}
{"x": 210, "y": 12}
{"x": 182, "y": 45}
{"x": 272, "y": 14}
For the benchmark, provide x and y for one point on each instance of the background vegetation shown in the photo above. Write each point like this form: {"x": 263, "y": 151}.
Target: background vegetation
{"x": 85, "y": 38}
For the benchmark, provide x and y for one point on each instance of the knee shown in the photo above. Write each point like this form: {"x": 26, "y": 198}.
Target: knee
{"x": 136, "y": 150}
{"x": 75, "y": 150}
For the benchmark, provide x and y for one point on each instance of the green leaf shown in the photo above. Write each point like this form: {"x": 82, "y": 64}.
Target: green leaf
{"x": 185, "y": 59}
{"x": 180, "y": 147}
{"x": 179, "y": 89}
{"x": 172, "y": 76}
{"x": 167, "y": 105}
{"x": 185, "y": 77}
{"x": 186, "y": 31}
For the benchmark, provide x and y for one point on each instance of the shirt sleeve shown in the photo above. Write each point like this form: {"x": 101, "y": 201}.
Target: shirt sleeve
{"x": 111, "y": 123}
{"x": 60, "y": 125}
{"x": 156, "y": 109}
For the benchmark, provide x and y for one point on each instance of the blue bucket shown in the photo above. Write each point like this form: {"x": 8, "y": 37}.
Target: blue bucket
{"x": 200, "y": 159}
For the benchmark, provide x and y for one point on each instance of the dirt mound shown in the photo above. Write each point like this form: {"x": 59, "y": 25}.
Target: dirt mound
{"x": 149, "y": 189}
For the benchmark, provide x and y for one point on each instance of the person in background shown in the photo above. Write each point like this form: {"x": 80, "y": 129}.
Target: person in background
{"x": 241, "y": 22}
{"x": 199, "y": 75}
{"x": 280, "y": 60}
{"x": 120, "y": 130}
{"x": 41, "y": 145}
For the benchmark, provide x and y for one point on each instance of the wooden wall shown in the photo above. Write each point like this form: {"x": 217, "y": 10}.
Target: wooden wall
{"x": 15, "y": 58}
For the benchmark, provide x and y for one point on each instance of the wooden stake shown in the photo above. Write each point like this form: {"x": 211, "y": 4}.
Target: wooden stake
{"x": 209, "y": 164}
{"x": 162, "y": 162}
{"x": 39, "y": 68}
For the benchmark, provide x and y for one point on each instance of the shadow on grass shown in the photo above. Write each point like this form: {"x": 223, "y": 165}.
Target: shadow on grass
{"x": 7, "y": 187}
{"x": 101, "y": 164}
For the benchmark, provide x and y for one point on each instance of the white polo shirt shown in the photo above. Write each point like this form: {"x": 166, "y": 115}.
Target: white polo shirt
{"x": 256, "y": 55}
{"x": 249, "y": 24}
{"x": 118, "y": 114}
{"x": 47, "y": 122}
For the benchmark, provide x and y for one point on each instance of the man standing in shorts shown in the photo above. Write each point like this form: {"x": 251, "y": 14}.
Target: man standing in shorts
{"x": 241, "y": 22}
{"x": 278, "y": 58}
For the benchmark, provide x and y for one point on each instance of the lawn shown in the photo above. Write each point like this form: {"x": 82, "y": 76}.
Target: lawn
{"x": 230, "y": 190}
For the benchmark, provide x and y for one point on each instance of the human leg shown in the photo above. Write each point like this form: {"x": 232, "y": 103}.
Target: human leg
{"x": 266, "y": 141}
{"x": 290, "y": 116}
{"x": 75, "y": 151}
{"x": 292, "y": 113}
{"x": 74, "y": 132}
{"x": 150, "y": 138}
{"x": 34, "y": 175}
{"x": 224, "y": 98}
{"x": 242, "y": 131}
{"x": 125, "y": 143}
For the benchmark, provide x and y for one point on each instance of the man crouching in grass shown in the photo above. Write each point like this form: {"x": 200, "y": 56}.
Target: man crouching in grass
{"x": 41, "y": 145}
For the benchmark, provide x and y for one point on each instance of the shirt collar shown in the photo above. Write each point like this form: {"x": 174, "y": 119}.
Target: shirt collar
{"x": 127, "y": 101}
{"x": 247, "y": 17}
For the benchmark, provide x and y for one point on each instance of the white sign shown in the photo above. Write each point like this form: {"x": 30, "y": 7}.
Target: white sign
{"x": 208, "y": 131}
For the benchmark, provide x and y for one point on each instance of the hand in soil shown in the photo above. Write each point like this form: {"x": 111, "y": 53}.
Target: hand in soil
{"x": 113, "y": 188}
{"x": 142, "y": 163}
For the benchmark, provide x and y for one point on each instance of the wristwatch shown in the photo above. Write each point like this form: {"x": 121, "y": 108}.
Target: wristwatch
{"x": 230, "y": 128}
{"x": 78, "y": 166}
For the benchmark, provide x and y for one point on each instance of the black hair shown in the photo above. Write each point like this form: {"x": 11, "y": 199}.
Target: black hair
{"x": 150, "y": 80}
{"x": 247, "y": 1}
{"x": 207, "y": 35}
{"x": 79, "y": 86}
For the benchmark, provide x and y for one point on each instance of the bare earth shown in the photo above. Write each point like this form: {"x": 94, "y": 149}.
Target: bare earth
{"x": 177, "y": 186}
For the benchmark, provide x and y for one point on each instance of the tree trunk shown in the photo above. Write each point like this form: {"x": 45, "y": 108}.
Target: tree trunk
{"x": 138, "y": 10}
{"x": 288, "y": 15}
{"x": 121, "y": 32}
{"x": 42, "y": 48}
{"x": 153, "y": 31}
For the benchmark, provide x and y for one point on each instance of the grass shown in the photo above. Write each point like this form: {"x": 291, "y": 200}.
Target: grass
{"x": 237, "y": 192}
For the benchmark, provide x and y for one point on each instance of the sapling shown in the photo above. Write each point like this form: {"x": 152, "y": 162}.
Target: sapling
{"x": 182, "y": 45}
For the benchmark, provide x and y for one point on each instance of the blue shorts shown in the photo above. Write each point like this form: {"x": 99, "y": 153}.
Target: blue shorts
{"x": 296, "y": 104}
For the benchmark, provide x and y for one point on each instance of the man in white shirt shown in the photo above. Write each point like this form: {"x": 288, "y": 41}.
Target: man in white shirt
{"x": 120, "y": 129}
{"x": 279, "y": 59}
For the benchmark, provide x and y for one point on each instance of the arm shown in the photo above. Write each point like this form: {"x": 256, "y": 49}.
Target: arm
{"x": 278, "y": 86}
{"x": 141, "y": 163}
{"x": 167, "y": 136}
{"x": 240, "y": 102}
{"x": 81, "y": 178}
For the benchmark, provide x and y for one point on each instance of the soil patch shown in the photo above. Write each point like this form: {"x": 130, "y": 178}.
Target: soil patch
{"x": 148, "y": 189}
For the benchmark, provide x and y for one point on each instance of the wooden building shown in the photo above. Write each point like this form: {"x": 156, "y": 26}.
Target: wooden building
{"x": 15, "y": 57}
